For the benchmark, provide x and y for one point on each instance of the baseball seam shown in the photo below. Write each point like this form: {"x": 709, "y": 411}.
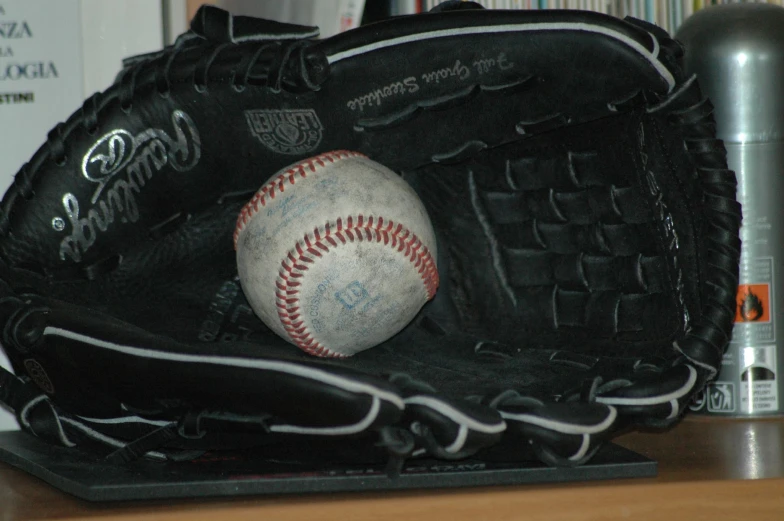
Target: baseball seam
{"x": 289, "y": 177}
{"x": 333, "y": 235}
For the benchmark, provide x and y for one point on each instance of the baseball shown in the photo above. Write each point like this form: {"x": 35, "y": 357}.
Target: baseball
{"x": 336, "y": 254}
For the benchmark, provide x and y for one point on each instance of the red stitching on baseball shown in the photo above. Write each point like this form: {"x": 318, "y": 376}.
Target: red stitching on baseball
{"x": 287, "y": 298}
{"x": 278, "y": 184}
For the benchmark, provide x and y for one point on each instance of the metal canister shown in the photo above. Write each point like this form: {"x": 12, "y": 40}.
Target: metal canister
{"x": 737, "y": 53}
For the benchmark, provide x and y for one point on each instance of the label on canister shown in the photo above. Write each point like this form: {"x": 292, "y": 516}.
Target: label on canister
{"x": 758, "y": 386}
{"x": 748, "y": 383}
{"x": 755, "y": 303}
{"x": 754, "y": 338}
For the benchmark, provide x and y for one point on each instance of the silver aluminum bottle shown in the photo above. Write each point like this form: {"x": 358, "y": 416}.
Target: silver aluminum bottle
{"x": 737, "y": 53}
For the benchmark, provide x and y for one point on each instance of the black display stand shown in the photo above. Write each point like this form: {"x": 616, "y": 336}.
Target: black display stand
{"x": 301, "y": 469}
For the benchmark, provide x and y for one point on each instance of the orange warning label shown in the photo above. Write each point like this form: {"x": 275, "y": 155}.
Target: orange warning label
{"x": 753, "y": 303}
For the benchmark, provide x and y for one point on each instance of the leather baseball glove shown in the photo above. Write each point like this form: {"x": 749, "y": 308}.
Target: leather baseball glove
{"x": 587, "y": 231}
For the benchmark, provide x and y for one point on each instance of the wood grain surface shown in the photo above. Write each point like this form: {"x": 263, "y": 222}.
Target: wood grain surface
{"x": 709, "y": 468}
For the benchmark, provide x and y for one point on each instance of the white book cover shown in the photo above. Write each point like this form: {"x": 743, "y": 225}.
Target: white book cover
{"x": 40, "y": 75}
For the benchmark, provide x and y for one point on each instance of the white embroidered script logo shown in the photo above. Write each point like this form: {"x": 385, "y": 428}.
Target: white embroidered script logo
{"x": 121, "y": 164}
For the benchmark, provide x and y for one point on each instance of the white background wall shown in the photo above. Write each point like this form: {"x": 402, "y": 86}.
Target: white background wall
{"x": 110, "y": 30}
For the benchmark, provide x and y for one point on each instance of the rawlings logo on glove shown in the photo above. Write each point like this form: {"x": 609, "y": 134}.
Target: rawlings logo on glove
{"x": 127, "y": 162}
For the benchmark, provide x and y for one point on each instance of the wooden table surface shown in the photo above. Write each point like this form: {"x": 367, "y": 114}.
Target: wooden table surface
{"x": 709, "y": 468}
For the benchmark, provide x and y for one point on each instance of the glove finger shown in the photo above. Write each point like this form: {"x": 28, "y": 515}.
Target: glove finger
{"x": 562, "y": 434}
{"x": 131, "y": 369}
{"x": 448, "y": 428}
{"x": 655, "y": 400}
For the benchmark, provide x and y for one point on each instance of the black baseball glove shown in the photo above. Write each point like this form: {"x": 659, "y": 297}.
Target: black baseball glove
{"x": 586, "y": 221}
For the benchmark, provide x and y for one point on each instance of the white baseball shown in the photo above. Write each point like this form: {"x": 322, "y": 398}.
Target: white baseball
{"x": 336, "y": 254}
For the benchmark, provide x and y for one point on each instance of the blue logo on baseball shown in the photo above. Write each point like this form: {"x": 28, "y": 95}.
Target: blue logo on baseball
{"x": 352, "y": 295}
